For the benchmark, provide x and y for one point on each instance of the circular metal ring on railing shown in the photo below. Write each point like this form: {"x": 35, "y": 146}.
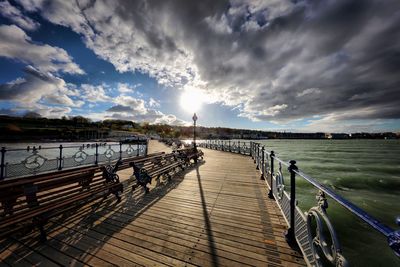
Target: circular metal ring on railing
{"x": 34, "y": 161}
{"x": 80, "y": 156}
{"x": 109, "y": 153}
{"x": 129, "y": 150}
{"x": 319, "y": 243}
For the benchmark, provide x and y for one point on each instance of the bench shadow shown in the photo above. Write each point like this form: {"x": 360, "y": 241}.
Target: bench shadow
{"x": 81, "y": 233}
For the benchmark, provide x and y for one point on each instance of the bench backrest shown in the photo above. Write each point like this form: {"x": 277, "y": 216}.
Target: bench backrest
{"x": 18, "y": 195}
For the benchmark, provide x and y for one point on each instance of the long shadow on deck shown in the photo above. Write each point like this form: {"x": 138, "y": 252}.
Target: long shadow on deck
{"x": 211, "y": 242}
{"x": 80, "y": 235}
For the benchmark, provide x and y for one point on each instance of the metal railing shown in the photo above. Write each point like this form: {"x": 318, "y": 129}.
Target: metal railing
{"x": 306, "y": 230}
{"x": 32, "y": 160}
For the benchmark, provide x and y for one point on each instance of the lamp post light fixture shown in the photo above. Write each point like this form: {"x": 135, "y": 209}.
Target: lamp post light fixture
{"x": 194, "y": 130}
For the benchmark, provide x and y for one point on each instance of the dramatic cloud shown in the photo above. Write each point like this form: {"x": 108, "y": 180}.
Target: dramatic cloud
{"x": 273, "y": 60}
{"x": 130, "y": 108}
{"x": 15, "y": 15}
{"x": 37, "y": 86}
{"x": 15, "y": 44}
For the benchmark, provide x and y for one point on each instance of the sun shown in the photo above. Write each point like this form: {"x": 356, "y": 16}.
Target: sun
{"x": 191, "y": 100}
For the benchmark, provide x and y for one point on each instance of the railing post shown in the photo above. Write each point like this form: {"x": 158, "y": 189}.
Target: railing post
{"x": 271, "y": 192}
{"x": 137, "y": 148}
{"x": 255, "y": 153}
{"x": 290, "y": 234}
{"x": 96, "y": 161}
{"x": 229, "y": 145}
{"x": 3, "y": 155}
{"x": 258, "y": 157}
{"x": 147, "y": 147}
{"x": 239, "y": 147}
{"x": 60, "y": 159}
{"x": 120, "y": 150}
{"x": 262, "y": 163}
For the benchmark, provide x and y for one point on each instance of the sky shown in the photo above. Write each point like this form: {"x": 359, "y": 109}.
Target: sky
{"x": 299, "y": 65}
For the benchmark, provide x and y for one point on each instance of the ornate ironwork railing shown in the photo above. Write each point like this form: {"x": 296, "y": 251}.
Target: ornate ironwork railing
{"x": 307, "y": 230}
{"x": 37, "y": 159}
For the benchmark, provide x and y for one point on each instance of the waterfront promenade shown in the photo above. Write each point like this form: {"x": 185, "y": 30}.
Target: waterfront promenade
{"x": 215, "y": 213}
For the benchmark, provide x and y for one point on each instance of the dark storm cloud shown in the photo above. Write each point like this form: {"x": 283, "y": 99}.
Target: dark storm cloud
{"x": 276, "y": 60}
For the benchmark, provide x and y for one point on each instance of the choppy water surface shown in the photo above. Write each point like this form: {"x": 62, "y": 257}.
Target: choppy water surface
{"x": 366, "y": 172}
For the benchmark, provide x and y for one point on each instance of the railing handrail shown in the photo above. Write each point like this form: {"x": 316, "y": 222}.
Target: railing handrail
{"x": 360, "y": 213}
{"x": 39, "y": 161}
{"x": 392, "y": 235}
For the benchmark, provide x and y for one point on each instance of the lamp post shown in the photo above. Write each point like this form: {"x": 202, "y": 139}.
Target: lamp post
{"x": 194, "y": 130}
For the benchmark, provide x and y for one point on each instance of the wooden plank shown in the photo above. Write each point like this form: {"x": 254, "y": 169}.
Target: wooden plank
{"x": 216, "y": 212}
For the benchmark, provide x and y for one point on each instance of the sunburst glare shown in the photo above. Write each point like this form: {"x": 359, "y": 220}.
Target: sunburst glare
{"x": 192, "y": 100}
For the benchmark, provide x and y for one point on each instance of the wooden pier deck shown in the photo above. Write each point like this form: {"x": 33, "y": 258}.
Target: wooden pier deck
{"x": 214, "y": 214}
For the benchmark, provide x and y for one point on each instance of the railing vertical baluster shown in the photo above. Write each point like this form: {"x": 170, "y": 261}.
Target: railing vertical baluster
{"x": 262, "y": 162}
{"x": 60, "y": 159}
{"x": 137, "y": 148}
{"x": 258, "y": 157}
{"x": 3, "y": 155}
{"x": 146, "y": 151}
{"x": 120, "y": 150}
{"x": 239, "y": 147}
{"x": 255, "y": 152}
{"x": 96, "y": 161}
{"x": 229, "y": 145}
{"x": 271, "y": 192}
{"x": 290, "y": 234}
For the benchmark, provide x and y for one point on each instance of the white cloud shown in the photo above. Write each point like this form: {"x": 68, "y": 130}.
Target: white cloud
{"x": 95, "y": 93}
{"x": 309, "y": 91}
{"x": 126, "y": 88}
{"x": 36, "y": 86}
{"x": 130, "y": 108}
{"x": 15, "y": 44}
{"x": 15, "y": 15}
{"x": 137, "y": 105}
{"x": 153, "y": 103}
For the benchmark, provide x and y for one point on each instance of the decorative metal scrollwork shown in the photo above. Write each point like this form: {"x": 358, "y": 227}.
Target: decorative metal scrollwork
{"x": 109, "y": 153}
{"x": 80, "y": 156}
{"x": 129, "y": 150}
{"x": 394, "y": 239}
{"x": 333, "y": 252}
{"x": 141, "y": 148}
{"x": 234, "y": 146}
{"x": 280, "y": 182}
{"x": 34, "y": 161}
{"x": 266, "y": 164}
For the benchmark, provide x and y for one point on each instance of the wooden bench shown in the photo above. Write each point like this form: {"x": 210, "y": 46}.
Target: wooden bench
{"x": 29, "y": 202}
{"x": 189, "y": 154}
{"x": 155, "y": 168}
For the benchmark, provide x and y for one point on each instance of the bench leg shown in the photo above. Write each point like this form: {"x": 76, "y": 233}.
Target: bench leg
{"x": 118, "y": 197}
{"x": 43, "y": 236}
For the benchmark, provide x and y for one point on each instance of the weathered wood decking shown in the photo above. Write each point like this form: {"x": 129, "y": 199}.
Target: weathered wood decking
{"x": 214, "y": 214}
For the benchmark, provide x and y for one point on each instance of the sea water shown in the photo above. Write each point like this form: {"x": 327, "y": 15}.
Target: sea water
{"x": 366, "y": 172}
